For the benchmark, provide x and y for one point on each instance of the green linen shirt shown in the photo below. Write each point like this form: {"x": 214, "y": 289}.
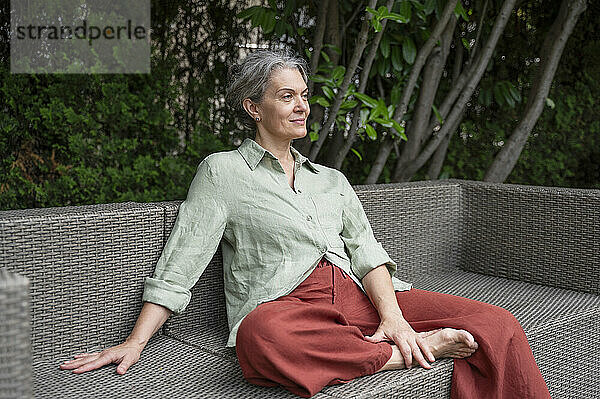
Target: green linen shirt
{"x": 272, "y": 235}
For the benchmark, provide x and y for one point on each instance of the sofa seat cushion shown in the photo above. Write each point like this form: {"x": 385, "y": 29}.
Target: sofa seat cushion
{"x": 170, "y": 368}
{"x": 167, "y": 369}
{"x": 548, "y": 316}
{"x": 561, "y": 325}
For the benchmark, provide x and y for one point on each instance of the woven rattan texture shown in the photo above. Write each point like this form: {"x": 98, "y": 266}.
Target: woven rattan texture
{"x": 171, "y": 369}
{"x": 167, "y": 369}
{"x": 15, "y": 346}
{"x": 562, "y": 326}
{"x": 86, "y": 268}
{"x": 544, "y": 235}
{"x": 417, "y": 224}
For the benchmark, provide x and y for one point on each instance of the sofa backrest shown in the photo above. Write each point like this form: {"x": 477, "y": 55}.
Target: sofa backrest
{"x": 87, "y": 264}
{"x": 86, "y": 267}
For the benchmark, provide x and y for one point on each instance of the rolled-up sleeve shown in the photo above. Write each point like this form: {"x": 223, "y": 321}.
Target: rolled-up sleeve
{"x": 195, "y": 237}
{"x": 365, "y": 252}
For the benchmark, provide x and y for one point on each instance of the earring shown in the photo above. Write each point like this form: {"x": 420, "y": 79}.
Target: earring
{"x": 257, "y": 119}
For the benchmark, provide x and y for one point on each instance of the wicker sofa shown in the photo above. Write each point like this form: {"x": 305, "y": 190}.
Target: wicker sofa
{"x": 71, "y": 280}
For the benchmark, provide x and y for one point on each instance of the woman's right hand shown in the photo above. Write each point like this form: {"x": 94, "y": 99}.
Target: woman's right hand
{"x": 125, "y": 354}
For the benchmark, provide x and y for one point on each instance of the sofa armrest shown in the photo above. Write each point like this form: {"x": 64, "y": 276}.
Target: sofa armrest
{"x": 541, "y": 235}
{"x": 15, "y": 341}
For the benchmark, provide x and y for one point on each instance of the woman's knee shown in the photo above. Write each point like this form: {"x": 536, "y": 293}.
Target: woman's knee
{"x": 252, "y": 324}
{"x": 261, "y": 325}
{"x": 505, "y": 317}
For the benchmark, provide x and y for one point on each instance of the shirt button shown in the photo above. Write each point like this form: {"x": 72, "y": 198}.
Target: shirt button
{"x": 309, "y": 218}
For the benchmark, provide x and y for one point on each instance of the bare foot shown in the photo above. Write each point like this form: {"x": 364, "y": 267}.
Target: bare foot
{"x": 444, "y": 342}
{"x": 452, "y": 343}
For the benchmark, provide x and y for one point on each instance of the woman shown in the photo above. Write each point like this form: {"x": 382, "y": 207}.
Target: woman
{"x": 311, "y": 297}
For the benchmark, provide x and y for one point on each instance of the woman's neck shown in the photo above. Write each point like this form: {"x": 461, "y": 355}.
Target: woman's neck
{"x": 281, "y": 149}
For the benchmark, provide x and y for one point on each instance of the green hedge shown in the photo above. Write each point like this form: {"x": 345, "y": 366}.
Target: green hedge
{"x": 84, "y": 139}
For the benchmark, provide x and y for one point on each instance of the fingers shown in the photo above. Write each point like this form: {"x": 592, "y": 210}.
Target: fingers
{"x": 425, "y": 349}
{"x": 406, "y": 352}
{"x": 377, "y": 337}
{"x": 127, "y": 361}
{"x": 85, "y": 354}
{"x": 418, "y": 355}
{"x": 72, "y": 364}
{"x": 414, "y": 348}
{"x": 98, "y": 362}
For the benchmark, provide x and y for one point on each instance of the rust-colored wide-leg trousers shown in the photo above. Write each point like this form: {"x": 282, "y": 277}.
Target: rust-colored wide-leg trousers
{"x": 314, "y": 337}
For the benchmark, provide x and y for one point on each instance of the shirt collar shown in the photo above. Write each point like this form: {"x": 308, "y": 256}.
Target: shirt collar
{"x": 252, "y": 152}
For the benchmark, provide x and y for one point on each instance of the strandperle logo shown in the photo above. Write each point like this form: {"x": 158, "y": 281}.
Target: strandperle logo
{"x": 80, "y": 36}
{"x": 83, "y": 31}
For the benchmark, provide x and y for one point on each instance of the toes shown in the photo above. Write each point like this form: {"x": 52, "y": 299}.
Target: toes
{"x": 462, "y": 354}
{"x": 468, "y": 338}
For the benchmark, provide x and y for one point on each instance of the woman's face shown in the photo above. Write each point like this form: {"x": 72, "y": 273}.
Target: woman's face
{"x": 284, "y": 109}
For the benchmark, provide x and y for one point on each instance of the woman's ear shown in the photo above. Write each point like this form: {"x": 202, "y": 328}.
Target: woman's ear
{"x": 251, "y": 108}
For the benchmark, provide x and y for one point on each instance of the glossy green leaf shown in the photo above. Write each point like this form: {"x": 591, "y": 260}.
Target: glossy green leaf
{"x": 318, "y": 78}
{"x": 349, "y": 104}
{"x": 280, "y": 28}
{"x": 319, "y": 100}
{"x": 384, "y": 46}
{"x": 368, "y": 101}
{"x": 399, "y": 129}
{"x": 290, "y": 6}
{"x": 371, "y": 132}
{"x": 498, "y": 97}
{"x": 409, "y": 51}
{"x": 459, "y": 11}
{"x": 364, "y": 116}
{"x": 248, "y": 12}
{"x": 515, "y": 93}
{"x": 405, "y": 10}
{"x": 383, "y": 122}
{"x": 328, "y": 92}
{"x": 465, "y": 43}
{"x": 397, "y": 18}
{"x": 372, "y": 11}
{"x": 376, "y": 25}
{"x": 382, "y": 108}
{"x": 338, "y": 73}
{"x": 334, "y": 48}
{"x": 510, "y": 101}
{"x": 356, "y": 153}
{"x": 437, "y": 114}
{"x": 269, "y": 22}
{"x": 396, "y": 58}
{"x": 429, "y": 6}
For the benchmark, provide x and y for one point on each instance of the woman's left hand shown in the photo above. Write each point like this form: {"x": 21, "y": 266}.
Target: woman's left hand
{"x": 411, "y": 344}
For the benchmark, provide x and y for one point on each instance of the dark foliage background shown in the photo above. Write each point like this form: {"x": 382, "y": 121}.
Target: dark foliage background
{"x": 83, "y": 139}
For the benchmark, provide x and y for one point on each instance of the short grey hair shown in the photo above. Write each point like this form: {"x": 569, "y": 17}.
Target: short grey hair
{"x": 250, "y": 78}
